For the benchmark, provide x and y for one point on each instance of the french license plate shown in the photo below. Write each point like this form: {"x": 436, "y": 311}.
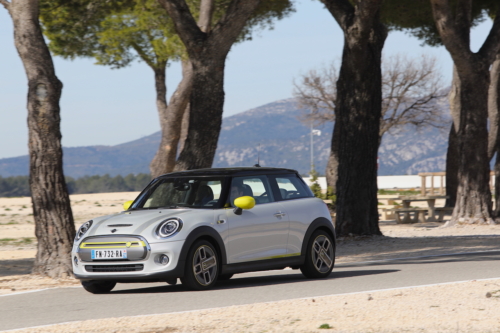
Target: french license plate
{"x": 109, "y": 254}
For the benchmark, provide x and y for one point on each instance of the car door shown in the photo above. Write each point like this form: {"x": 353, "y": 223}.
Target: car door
{"x": 258, "y": 233}
{"x": 300, "y": 205}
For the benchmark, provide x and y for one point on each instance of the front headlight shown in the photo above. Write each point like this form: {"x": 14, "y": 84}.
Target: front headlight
{"x": 168, "y": 227}
{"x": 83, "y": 229}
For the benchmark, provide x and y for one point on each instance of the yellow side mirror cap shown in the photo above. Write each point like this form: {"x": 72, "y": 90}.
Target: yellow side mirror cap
{"x": 127, "y": 204}
{"x": 245, "y": 202}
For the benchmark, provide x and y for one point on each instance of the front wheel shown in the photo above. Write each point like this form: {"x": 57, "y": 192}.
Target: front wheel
{"x": 320, "y": 256}
{"x": 201, "y": 266}
{"x": 98, "y": 287}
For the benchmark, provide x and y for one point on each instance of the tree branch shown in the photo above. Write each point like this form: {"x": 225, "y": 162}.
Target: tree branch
{"x": 342, "y": 11}
{"x": 491, "y": 46}
{"x": 142, "y": 55}
{"x": 185, "y": 25}
{"x": 365, "y": 14}
{"x": 206, "y": 12}
{"x": 6, "y": 4}
{"x": 463, "y": 18}
{"x": 229, "y": 27}
{"x": 454, "y": 42}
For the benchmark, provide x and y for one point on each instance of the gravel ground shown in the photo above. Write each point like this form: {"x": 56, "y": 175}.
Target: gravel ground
{"x": 458, "y": 307}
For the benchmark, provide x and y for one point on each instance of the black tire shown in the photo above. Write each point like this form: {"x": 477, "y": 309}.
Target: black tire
{"x": 98, "y": 287}
{"x": 225, "y": 277}
{"x": 202, "y": 266}
{"x": 320, "y": 256}
{"x": 172, "y": 282}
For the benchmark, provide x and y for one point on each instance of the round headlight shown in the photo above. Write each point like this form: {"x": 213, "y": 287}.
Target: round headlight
{"x": 168, "y": 227}
{"x": 83, "y": 229}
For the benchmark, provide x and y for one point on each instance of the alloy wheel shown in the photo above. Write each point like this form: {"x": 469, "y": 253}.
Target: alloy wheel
{"x": 205, "y": 265}
{"x": 322, "y": 254}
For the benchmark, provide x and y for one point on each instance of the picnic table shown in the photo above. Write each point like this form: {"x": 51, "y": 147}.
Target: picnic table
{"x": 387, "y": 204}
{"x": 431, "y": 209}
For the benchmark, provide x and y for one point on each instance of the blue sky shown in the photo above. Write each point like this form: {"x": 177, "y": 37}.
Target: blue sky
{"x": 101, "y": 106}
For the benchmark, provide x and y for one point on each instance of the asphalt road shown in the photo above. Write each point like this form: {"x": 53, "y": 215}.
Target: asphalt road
{"x": 73, "y": 304}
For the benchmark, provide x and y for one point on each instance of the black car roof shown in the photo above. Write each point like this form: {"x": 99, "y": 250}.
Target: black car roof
{"x": 238, "y": 171}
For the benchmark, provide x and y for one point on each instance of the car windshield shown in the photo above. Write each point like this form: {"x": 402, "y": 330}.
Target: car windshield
{"x": 192, "y": 192}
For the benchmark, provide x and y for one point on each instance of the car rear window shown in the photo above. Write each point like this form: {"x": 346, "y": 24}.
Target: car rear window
{"x": 291, "y": 187}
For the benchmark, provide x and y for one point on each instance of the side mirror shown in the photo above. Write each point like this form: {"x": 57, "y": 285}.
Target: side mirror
{"x": 127, "y": 204}
{"x": 245, "y": 202}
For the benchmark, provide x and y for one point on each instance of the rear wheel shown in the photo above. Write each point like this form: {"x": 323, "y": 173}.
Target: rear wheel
{"x": 201, "y": 266}
{"x": 98, "y": 287}
{"x": 320, "y": 256}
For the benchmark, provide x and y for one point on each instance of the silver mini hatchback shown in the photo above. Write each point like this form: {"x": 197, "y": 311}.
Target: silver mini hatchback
{"x": 206, "y": 225}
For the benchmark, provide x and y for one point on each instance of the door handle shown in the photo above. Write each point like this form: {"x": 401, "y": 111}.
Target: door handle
{"x": 279, "y": 214}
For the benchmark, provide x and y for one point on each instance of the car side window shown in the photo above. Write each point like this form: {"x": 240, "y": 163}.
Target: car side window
{"x": 253, "y": 186}
{"x": 291, "y": 187}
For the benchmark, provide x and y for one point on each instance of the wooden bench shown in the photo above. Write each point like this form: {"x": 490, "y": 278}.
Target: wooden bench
{"x": 442, "y": 211}
{"x": 418, "y": 215}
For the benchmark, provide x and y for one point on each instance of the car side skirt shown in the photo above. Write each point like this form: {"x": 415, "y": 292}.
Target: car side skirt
{"x": 263, "y": 265}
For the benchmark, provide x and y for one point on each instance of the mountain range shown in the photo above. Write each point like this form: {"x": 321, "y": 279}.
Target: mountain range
{"x": 272, "y": 134}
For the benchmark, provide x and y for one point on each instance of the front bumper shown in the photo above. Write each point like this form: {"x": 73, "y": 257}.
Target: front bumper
{"x": 131, "y": 270}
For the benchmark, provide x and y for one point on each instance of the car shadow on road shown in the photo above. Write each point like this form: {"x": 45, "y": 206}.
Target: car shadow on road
{"x": 256, "y": 281}
{"x": 426, "y": 260}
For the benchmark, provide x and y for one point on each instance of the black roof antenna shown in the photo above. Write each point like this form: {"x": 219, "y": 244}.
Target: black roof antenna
{"x": 258, "y": 157}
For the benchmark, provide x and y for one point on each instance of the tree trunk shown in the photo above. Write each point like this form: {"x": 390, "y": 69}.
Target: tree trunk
{"x": 473, "y": 194}
{"x": 54, "y": 225}
{"x": 473, "y": 203}
{"x": 452, "y": 162}
{"x": 452, "y": 155}
{"x": 333, "y": 161}
{"x": 493, "y": 111}
{"x": 358, "y": 112}
{"x": 184, "y": 128}
{"x": 496, "y": 213}
{"x": 207, "y": 48}
{"x": 205, "y": 117}
{"x": 170, "y": 118}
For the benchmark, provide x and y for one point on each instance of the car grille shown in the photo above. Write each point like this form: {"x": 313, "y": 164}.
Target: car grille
{"x": 113, "y": 268}
{"x": 119, "y": 245}
{"x": 137, "y": 247}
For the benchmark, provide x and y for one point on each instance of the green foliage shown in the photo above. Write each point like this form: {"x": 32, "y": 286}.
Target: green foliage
{"x": 391, "y": 192}
{"x": 114, "y": 33}
{"x": 103, "y": 184}
{"x": 416, "y": 18}
{"x": 316, "y": 189}
{"x": 264, "y": 16}
{"x": 325, "y": 326}
{"x": 117, "y": 32}
{"x": 144, "y": 31}
{"x": 19, "y": 186}
{"x": 330, "y": 195}
{"x": 17, "y": 241}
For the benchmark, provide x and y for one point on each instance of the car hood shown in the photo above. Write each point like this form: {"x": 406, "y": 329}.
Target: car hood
{"x": 144, "y": 222}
